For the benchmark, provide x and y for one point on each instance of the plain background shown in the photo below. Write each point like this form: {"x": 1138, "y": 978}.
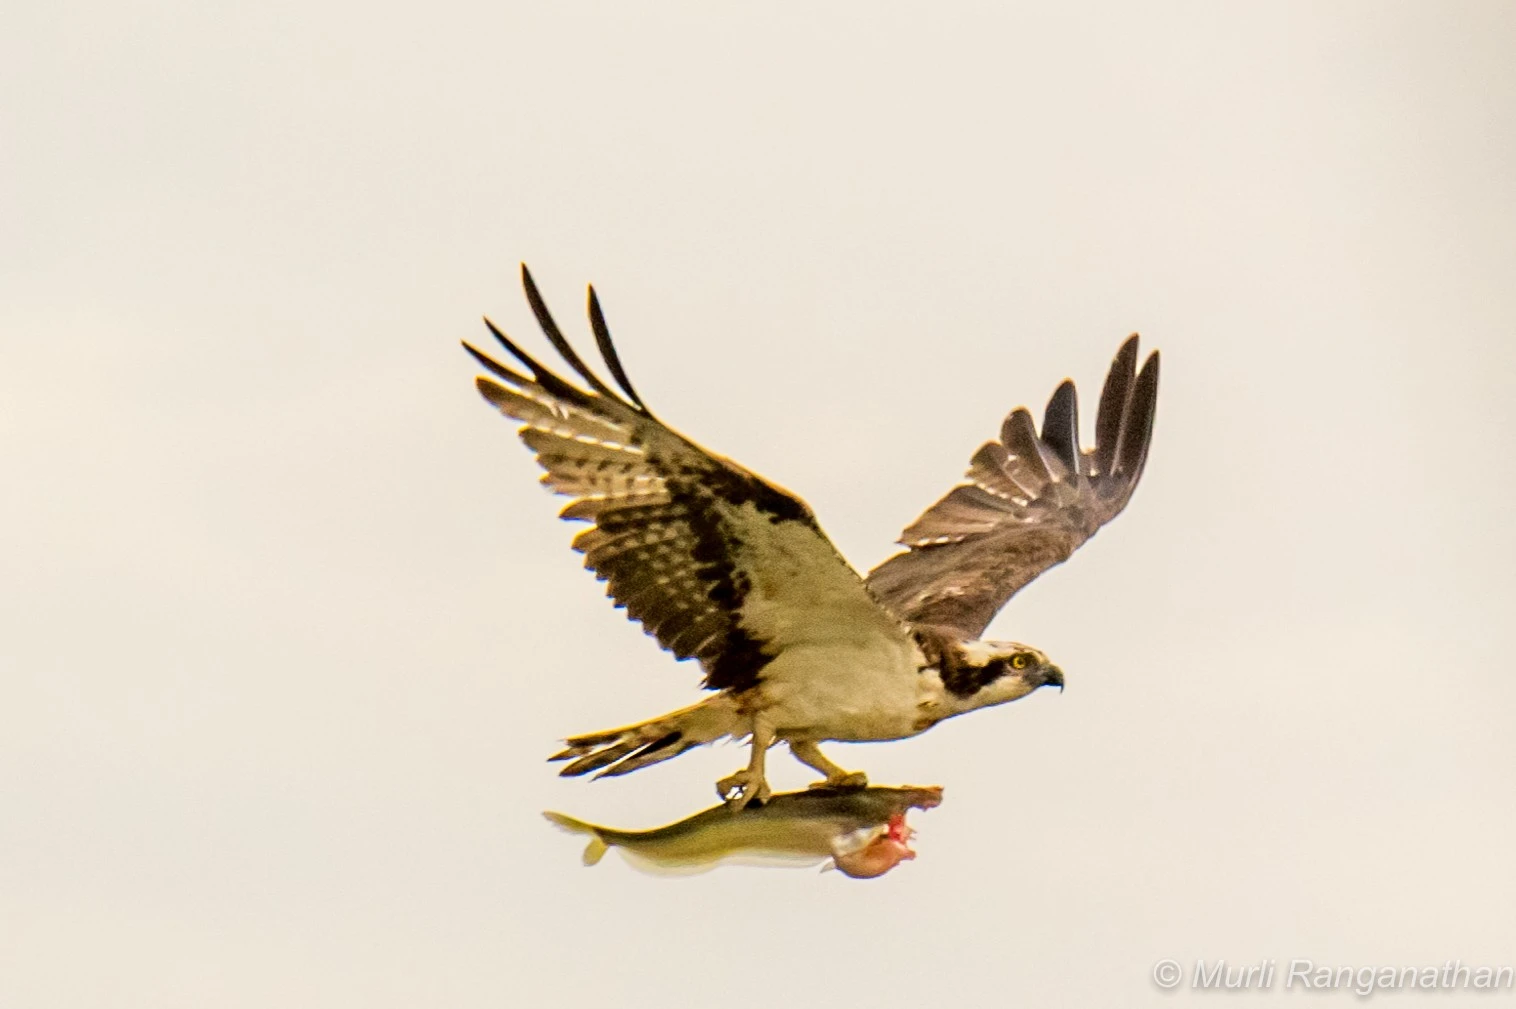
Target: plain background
{"x": 287, "y": 629}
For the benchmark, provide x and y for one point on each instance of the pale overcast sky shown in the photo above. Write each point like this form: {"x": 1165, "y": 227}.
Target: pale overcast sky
{"x": 287, "y": 627}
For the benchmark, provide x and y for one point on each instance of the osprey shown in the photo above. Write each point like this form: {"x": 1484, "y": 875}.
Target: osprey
{"x": 726, "y": 568}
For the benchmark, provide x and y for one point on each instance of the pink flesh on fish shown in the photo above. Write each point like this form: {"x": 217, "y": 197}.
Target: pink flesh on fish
{"x": 882, "y": 854}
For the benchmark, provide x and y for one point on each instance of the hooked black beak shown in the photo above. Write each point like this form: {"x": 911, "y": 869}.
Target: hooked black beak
{"x": 1053, "y": 677}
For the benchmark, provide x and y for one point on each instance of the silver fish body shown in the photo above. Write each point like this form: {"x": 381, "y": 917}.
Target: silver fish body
{"x": 861, "y": 830}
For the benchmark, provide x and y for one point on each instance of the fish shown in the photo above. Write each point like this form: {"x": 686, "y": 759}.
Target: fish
{"x": 861, "y": 832}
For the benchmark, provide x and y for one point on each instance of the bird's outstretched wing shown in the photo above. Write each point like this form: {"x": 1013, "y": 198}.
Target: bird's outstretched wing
{"x": 715, "y": 562}
{"x": 1029, "y": 502}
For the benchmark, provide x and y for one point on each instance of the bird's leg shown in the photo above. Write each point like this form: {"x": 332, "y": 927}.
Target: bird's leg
{"x": 810, "y": 755}
{"x": 749, "y": 785}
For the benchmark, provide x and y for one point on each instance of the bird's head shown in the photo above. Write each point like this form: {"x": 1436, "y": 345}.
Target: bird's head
{"x": 994, "y": 672}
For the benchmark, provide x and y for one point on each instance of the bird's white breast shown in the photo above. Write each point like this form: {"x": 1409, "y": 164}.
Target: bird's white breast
{"x": 843, "y": 668}
{"x": 860, "y": 690}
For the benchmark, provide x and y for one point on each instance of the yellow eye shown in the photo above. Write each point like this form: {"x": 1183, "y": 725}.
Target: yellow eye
{"x": 1020, "y": 660}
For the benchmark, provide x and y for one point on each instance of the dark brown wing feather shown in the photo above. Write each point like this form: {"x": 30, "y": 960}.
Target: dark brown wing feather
{"x": 1031, "y": 499}
{"x": 680, "y": 534}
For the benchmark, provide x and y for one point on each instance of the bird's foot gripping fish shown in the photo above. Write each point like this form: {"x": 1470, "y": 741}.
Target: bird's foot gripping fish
{"x": 859, "y": 831}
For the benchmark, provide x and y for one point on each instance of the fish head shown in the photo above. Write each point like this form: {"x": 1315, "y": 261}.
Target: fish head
{"x": 888, "y": 849}
{"x": 921, "y": 796}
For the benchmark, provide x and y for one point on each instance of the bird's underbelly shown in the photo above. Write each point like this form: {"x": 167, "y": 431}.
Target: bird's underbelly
{"x": 821, "y": 692}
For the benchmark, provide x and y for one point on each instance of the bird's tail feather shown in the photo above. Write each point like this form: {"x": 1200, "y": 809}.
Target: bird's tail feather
{"x": 596, "y": 849}
{"x": 618, "y": 751}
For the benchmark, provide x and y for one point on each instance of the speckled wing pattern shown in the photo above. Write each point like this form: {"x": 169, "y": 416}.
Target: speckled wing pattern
{"x": 684, "y": 538}
{"x": 1029, "y": 501}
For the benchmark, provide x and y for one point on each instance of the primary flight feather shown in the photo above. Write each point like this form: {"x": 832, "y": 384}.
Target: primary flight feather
{"x": 726, "y": 568}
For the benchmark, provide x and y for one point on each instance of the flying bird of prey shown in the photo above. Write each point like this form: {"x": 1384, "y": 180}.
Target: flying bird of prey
{"x": 726, "y": 568}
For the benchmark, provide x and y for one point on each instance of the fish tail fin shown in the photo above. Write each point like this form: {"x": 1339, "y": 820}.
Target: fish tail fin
{"x": 617, "y": 751}
{"x": 596, "y": 849}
